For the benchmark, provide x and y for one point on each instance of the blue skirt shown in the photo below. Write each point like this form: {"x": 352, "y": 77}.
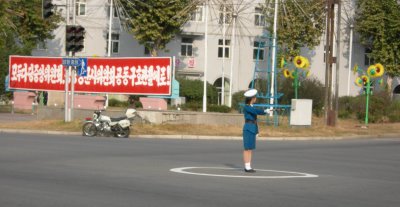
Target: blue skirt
{"x": 249, "y": 140}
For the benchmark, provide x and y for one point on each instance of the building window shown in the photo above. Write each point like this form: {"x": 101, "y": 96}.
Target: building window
{"x": 148, "y": 46}
{"x": 114, "y": 43}
{"x": 368, "y": 60}
{"x": 222, "y": 47}
{"x": 80, "y": 8}
{"x": 259, "y": 18}
{"x": 225, "y": 11}
{"x": 187, "y": 47}
{"x": 197, "y": 15}
{"x": 258, "y": 50}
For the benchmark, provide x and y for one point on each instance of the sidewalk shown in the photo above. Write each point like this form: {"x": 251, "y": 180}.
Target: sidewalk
{"x": 9, "y": 123}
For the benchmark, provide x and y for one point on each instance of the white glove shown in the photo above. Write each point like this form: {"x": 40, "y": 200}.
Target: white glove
{"x": 267, "y": 111}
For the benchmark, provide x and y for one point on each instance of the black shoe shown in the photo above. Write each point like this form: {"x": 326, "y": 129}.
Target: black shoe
{"x": 250, "y": 171}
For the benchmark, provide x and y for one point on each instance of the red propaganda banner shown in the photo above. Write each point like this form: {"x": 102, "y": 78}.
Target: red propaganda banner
{"x": 145, "y": 76}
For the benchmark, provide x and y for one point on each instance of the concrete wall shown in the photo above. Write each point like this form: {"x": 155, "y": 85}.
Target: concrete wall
{"x": 154, "y": 117}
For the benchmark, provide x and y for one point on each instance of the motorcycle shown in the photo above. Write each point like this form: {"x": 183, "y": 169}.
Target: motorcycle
{"x": 104, "y": 125}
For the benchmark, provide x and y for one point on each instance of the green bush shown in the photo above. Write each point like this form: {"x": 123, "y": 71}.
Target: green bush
{"x": 348, "y": 105}
{"x": 117, "y": 103}
{"x": 310, "y": 88}
{"x": 378, "y": 108}
{"x": 237, "y": 98}
{"x": 192, "y": 106}
{"x": 133, "y": 101}
{"x": 394, "y": 112}
{"x": 193, "y": 90}
{"x": 218, "y": 108}
{"x": 381, "y": 109}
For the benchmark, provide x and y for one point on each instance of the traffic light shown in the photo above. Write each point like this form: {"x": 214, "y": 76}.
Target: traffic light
{"x": 47, "y": 8}
{"x": 70, "y": 38}
{"x": 79, "y": 37}
{"x": 74, "y": 38}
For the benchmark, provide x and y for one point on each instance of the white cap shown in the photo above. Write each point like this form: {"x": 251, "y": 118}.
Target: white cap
{"x": 250, "y": 93}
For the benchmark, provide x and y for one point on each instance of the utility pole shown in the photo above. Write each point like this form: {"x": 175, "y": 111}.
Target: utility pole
{"x": 274, "y": 50}
{"x": 224, "y": 12}
{"x": 66, "y": 105}
{"x": 330, "y": 60}
{"x": 109, "y": 41}
{"x": 205, "y": 57}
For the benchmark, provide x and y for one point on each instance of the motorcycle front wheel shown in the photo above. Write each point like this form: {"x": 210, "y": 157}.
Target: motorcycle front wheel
{"x": 123, "y": 133}
{"x": 89, "y": 129}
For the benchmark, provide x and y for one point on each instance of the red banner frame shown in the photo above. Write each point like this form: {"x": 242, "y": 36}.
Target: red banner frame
{"x": 142, "y": 76}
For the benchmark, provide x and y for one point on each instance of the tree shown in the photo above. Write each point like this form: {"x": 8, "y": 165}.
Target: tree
{"x": 154, "y": 23}
{"x": 378, "y": 23}
{"x": 192, "y": 90}
{"x": 300, "y": 24}
{"x": 21, "y": 28}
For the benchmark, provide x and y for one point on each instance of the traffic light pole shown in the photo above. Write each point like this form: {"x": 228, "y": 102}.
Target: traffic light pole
{"x": 72, "y": 72}
{"x": 66, "y": 109}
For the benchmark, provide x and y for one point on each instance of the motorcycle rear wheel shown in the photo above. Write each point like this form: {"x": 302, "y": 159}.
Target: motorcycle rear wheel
{"x": 89, "y": 129}
{"x": 123, "y": 133}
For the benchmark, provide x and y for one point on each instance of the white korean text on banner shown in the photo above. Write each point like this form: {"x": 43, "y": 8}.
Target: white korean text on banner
{"x": 145, "y": 76}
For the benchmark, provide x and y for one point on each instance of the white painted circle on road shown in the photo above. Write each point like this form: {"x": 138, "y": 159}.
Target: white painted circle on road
{"x": 190, "y": 170}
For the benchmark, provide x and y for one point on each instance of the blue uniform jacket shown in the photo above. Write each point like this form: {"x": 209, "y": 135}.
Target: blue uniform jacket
{"x": 250, "y": 113}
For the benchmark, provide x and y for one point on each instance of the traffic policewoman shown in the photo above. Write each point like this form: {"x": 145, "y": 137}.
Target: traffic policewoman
{"x": 250, "y": 128}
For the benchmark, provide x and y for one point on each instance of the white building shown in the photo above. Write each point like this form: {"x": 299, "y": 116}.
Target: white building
{"x": 189, "y": 46}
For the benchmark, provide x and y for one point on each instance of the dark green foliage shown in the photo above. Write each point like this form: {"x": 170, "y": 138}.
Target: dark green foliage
{"x": 394, "y": 112}
{"x": 218, "y": 108}
{"x": 198, "y": 106}
{"x": 237, "y": 98}
{"x": 192, "y": 90}
{"x": 21, "y": 28}
{"x": 381, "y": 109}
{"x": 117, "y": 103}
{"x": 192, "y": 106}
{"x": 378, "y": 24}
{"x": 310, "y": 88}
{"x": 378, "y": 108}
{"x": 300, "y": 24}
{"x": 346, "y": 106}
{"x": 133, "y": 101}
{"x": 157, "y": 21}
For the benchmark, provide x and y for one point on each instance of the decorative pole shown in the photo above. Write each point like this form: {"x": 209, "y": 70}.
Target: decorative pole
{"x": 365, "y": 79}
{"x": 299, "y": 62}
{"x": 296, "y": 83}
{"x": 367, "y": 102}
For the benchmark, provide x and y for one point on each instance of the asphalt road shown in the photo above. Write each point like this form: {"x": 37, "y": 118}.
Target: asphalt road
{"x": 53, "y": 170}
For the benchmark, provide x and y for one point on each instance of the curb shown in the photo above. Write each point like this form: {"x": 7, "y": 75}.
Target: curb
{"x": 201, "y": 137}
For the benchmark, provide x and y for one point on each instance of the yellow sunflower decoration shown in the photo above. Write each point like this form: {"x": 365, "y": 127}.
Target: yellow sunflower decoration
{"x": 359, "y": 82}
{"x": 292, "y": 75}
{"x": 379, "y": 70}
{"x": 286, "y": 73}
{"x": 365, "y": 79}
{"x": 371, "y": 71}
{"x": 299, "y": 61}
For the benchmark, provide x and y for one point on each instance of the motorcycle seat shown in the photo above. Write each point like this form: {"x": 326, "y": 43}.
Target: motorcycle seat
{"x": 118, "y": 119}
